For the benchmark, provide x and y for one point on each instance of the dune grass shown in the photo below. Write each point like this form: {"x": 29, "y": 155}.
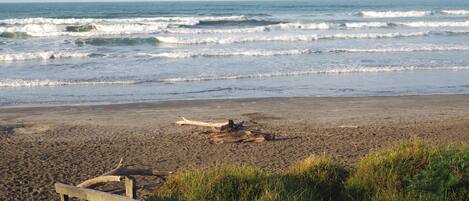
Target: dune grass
{"x": 410, "y": 171}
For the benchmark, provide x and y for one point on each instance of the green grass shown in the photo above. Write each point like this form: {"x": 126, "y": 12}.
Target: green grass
{"x": 409, "y": 171}
{"x": 412, "y": 171}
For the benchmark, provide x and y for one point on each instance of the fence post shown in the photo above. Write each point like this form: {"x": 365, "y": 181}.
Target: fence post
{"x": 130, "y": 188}
{"x": 64, "y": 197}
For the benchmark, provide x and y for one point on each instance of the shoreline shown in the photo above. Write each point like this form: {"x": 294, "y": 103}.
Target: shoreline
{"x": 70, "y": 144}
{"x": 163, "y": 102}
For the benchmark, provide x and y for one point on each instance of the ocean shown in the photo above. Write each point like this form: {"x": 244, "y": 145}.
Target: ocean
{"x": 102, "y": 53}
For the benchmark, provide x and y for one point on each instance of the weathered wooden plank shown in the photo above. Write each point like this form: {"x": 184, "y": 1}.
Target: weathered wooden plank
{"x": 130, "y": 188}
{"x": 100, "y": 179}
{"x": 64, "y": 197}
{"x": 88, "y": 194}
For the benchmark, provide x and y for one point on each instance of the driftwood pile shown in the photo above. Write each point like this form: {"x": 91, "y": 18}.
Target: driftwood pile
{"x": 229, "y": 132}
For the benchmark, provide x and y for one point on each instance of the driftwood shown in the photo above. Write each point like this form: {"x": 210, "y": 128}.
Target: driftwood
{"x": 230, "y": 125}
{"x": 119, "y": 172}
{"x": 185, "y": 121}
{"x": 229, "y": 132}
{"x": 348, "y": 126}
{"x": 240, "y": 136}
{"x": 100, "y": 179}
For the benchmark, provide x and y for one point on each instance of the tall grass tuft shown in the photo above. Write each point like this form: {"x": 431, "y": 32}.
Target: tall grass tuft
{"x": 411, "y": 171}
{"x": 218, "y": 183}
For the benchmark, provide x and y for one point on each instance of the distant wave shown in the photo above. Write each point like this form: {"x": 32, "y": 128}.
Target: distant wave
{"x": 392, "y": 14}
{"x": 411, "y": 13}
{"x": 49, "y": 83}
{"x": 313, "y": 72}
{"x": 403, "y": 49}
{"x": 48, "y": 55}
{"x": 455, "y": 12}
{"x": 293, "y": 38}
{"x": 224, "y": 53}
{"x": 419, "y": 24}
{"x": 300, "y": 26}
{"x": 150, "y": 20}
{"x": 261, "y": 52}
{"x": 126, "y": 41}
{"x": 236, "y": 22}
{"x": 359, "y": 25}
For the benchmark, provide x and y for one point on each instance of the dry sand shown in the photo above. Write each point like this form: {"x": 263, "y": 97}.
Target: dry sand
{"x": 44, "y": 145}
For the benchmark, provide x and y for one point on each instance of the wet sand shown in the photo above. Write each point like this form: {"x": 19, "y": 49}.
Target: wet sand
{"x": 43, "y": 145}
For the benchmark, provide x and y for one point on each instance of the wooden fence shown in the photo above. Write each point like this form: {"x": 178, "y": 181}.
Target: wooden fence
{"x": 68, "y": 191}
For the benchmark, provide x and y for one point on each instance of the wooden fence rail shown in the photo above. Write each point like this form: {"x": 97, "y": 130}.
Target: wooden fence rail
{"x": 69, "y": 191}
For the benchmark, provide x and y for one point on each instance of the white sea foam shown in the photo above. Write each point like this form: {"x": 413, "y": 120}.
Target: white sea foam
{"x": 50, "y": 83}
{"x": 455, "y": 12}
{"x": 216, "y": 31}
{"x": 282, "y": 38}
{"x": 78, "y": 21}
{"x": 57, "y": 27}
{"x": 404, "y": 49}
{"x": 361, "y": 25}
{"x": 356, "y": 25}
{"x": 393, "y": 14}
{"x": 41, "y": 56}
{"x": 314, "y": 72}
{"x": 430, "y": 24}
{"x": 260, "y": 52}
{"x": 288, "y": 26}
{"x": 231, "y": 53}
{"x": 14, "y": 83}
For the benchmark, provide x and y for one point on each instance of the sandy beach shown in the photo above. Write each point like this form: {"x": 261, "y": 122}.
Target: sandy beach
{"x": 43, "y": 145}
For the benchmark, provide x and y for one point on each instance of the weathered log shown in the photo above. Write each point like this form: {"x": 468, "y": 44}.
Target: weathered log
{"x": 101, "y": 179}
{"x": 242, "y": 136}
{"x": 185, "y": 121}
{"x": 118, "y": 173}
{"x": 348, "y": 126}
{"x": 229, "y": 126}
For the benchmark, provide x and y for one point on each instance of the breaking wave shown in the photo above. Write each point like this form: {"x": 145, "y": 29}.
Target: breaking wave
{"x": 393, "y": 14}
{"x": 260, "y": 52}
{"x": 150, "y": 20}
{"x": 117, "y": 41}
{"x": 455, "y": 12}
{"x": 224, "y": 53}
{"x": 44, "y": 56}
{"x": 289, "y": 37}
{"x": 50, "y": 83}
{"x": 313, "y": 72}
{"x": 405, "y": 49}
{"x": 412, "y": 13}
{"x": 90, "y": 26}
